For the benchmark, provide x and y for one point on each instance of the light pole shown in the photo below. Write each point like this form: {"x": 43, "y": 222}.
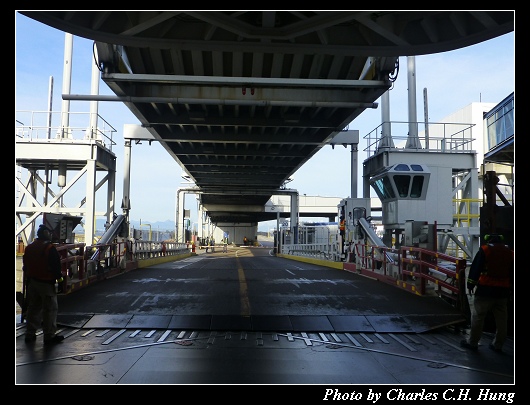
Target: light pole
{"x": 150, "y": 232}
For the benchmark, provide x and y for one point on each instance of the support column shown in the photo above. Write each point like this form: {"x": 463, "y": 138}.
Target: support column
{"x": 90, "y": 203}
{"x": 67, "y": 83}
{"x": 200, "y": 222}
{"x": 178, "y": 210}
{"x": 413, "y": 141}
{"x": 294, "y": 216}
{"x": 126, "y": 200}
{"x": 111, "y": 195}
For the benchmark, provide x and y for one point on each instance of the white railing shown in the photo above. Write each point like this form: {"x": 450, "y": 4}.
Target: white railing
{"x": 324, "y": 251}
{"x": 48, "y": 125}
{"x": 441, "y": 137}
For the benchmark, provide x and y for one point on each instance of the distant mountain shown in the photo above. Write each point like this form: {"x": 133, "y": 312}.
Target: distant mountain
{"x": 166, "y": 225}
{"x": 160, "y": 230}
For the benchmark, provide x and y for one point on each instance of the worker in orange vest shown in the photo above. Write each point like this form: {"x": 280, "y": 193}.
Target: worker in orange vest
{"x": 342, "y": 231}
{"x": 491, "y": 273}
{"x": 42, "y": 269}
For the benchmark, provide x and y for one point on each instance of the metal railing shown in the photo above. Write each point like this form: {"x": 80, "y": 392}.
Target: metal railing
{"x": 325, "y": 251}
{"x": 418, "y": 270}
{"x": 48, "y": 126}
{"x": 415, "y": 269}
{"x": 441, "y": 137}
{"x": 151, "y": 249}
{"x": 79, "y": 268}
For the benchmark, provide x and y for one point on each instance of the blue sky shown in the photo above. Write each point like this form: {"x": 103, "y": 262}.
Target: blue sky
{"x": 483, "y": 72}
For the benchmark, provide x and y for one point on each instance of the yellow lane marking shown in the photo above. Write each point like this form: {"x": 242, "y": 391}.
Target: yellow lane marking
{"x": 243, "y": 290}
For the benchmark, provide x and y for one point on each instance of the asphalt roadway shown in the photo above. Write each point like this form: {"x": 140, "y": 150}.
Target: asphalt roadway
{"x": 248, "y": 317}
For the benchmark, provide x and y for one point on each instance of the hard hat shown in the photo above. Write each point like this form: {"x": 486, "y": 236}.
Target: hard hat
{"x": 41, "y": 232}
{"x": 494, "y": 237}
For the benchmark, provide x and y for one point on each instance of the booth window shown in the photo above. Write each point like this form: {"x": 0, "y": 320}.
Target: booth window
{"x": 417, "y": 186}
{"x": 384, "y": 189}
{"x": 402, "y": 185}
{"x": 402, "y": 167}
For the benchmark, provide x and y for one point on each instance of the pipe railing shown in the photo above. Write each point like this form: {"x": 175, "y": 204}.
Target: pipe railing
{"x": 415, "y": 269}
{"x": 327, "y": 251}
{"x": 80, "y": 265}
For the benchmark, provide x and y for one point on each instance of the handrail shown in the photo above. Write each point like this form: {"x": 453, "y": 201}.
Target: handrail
{"x": 47, "y": 125}
{"x": 414, "y": 269}
{"x": 430, "y": 268}
{"x": 82, "y": 265}
{"x": 72, "y": 262}
{"x": 443, "y": 137}
{"x": 327, "y": 251}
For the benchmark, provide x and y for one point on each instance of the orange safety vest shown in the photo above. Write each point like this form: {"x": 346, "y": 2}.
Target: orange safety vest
{"x": 498, "y": 266}
{"x": 36, "y": 261}
{"x": 342, "y": 225}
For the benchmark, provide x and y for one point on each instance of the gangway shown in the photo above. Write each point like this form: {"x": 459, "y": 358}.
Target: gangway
{"x": 375, "y": 240}
{"x": 108, "y": 237}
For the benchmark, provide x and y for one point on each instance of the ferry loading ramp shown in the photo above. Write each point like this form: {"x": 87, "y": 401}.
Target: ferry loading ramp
{"x": 247, "y": 317}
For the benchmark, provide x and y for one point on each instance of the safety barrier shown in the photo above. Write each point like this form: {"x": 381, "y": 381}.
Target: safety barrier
{"x": 446, "y": 273}
{"x": 150, "y": 249}
{"x": 82, "y": 265}
{"x": 326, "y": 251}
{"x": 415, "y": 269}
{"x": 73, "y": 262}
